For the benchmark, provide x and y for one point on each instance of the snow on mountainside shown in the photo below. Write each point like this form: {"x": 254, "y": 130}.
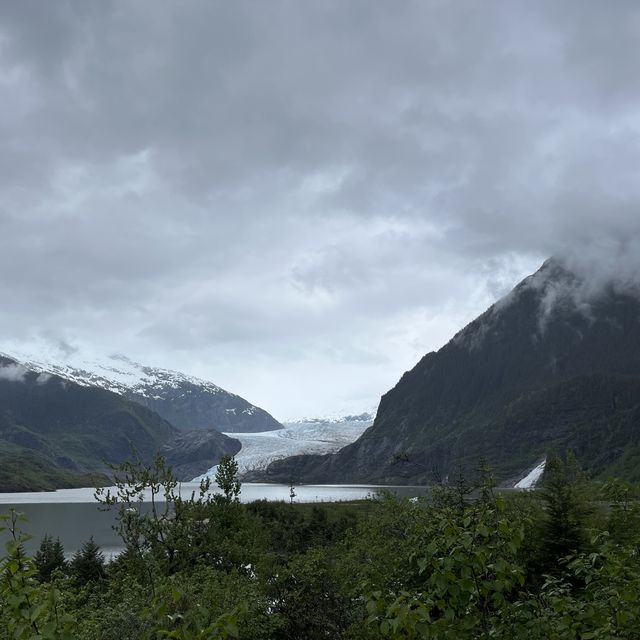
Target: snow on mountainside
{"x": 307, "y": 435}
{"x": 115, "y": 373}
{"x": 185, "y": 401}
{"x": 334, "y": 418}
{"x": 531, "y": 480}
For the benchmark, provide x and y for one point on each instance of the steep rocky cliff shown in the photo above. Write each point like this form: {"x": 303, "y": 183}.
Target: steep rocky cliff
{"x": 553, "y": 365}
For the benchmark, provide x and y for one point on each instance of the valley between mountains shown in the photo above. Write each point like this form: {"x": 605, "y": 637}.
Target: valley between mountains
{"x": 552, "y": 367}
{"x": 65, "y": 419}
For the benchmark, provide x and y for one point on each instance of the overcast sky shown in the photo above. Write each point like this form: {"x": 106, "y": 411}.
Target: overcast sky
{"x": 297, "y": 200}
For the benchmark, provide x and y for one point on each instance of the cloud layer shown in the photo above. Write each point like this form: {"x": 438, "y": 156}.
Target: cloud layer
{"x": 297, "y": 200}
{"x": 13, "y": 372}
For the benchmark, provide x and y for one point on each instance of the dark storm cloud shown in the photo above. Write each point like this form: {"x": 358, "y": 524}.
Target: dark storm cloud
{"x": 306, "y": 186}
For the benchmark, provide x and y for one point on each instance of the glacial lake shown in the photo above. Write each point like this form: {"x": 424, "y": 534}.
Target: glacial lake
{"x": 73, "y": 514}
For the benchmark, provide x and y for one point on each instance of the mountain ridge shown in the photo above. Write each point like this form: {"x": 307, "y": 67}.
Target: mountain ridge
{"x": 55, "y": 433}
{"x": 540, "y": 369}
{"x": 186, "y": 401}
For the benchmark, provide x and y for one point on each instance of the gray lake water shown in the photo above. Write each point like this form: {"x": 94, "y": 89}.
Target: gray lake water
{"x": 73, "y": 514}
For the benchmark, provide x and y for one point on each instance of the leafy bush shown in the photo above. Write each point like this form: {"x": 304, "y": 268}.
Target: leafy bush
{"x": 28, "y": 609}
{"x": 465, "y": 562}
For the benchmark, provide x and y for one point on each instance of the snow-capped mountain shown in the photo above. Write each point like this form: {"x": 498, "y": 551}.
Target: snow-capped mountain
{"x": 185, "y": 401}
{"x": 56, "y": 433}
{"x": 335, "y": 418}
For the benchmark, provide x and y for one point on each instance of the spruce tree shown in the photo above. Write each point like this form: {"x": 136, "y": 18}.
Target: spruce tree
{"x": 49, "y": 557}
{"x": 566, "y": 506}
{"x": 88, "y": 563}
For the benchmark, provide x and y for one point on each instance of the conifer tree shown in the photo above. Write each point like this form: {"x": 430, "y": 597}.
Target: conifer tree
{"x": 566, "y": 507}
{"x": 88, "y": 563}
{"x": 49, "y": 557}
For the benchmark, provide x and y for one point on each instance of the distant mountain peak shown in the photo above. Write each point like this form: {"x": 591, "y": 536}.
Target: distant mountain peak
{"x": 336, "y": 417}
{"x": 54, "y": 432}
{"x": 554, "y": 365}
{"x": 553, "y": 289}
{"x": 186, "y": 401}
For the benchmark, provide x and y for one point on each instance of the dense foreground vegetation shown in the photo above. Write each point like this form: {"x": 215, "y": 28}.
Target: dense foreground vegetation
{"x": 465, "y": 562}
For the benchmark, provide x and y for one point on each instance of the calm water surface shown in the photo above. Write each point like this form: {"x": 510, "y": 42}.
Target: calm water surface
{"x": 73, "y": 514}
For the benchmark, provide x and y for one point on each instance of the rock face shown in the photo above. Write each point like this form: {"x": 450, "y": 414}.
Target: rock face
{"x": 190, "y": 404}
{"x": 192, "y": 453}
{"x": 553, "y": 365}
{"x": 185, "y": 401}
{"x": 55, "y": 433}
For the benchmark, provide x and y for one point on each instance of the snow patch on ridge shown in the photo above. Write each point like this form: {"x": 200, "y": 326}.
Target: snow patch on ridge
{"x": 115, "y": 373}
{"x": 532, "y": 478}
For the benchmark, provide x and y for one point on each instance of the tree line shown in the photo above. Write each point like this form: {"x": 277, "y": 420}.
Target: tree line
{"x": 464, "y": 561}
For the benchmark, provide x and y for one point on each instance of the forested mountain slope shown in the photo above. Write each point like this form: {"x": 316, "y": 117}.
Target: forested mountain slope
{"x": 55, "y": 433}
{"x": 553, "y": 365}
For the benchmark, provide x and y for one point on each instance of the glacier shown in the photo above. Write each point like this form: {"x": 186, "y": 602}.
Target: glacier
{"x": 307, "y": 436}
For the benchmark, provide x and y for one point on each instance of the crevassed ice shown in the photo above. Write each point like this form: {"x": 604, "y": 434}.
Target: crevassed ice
{"x": 260, "y": 449}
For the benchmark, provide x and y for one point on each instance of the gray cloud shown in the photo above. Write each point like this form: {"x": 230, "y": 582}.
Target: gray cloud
{"x": 13, "y": 372}
{"x": 299, "y": 200}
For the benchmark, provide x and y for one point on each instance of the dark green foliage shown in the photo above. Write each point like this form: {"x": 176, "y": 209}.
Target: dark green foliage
{"x": 29, "y": 610}
{"x": 290, "y": 529}
{"x": 463, "y": 562}
{"x": 49, "y": 558}
{"x": 26, "y": 470}
{"x": 624, "y": 516}
{"x": 475, "y": 579}
{"x": 567, "y": 508}
{"x": 173, "y": 533}
{"x": 54, "y": 432}
{"x": 88, "y": 565}
{"x": 310, "y": 599}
